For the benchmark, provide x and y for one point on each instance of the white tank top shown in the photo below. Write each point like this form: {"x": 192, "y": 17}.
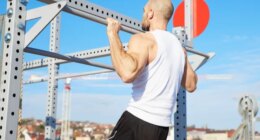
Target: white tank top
{"x": 155, "y": 89}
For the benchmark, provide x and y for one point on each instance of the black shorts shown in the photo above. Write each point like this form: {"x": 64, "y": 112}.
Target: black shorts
{"x": 130, "y": 127}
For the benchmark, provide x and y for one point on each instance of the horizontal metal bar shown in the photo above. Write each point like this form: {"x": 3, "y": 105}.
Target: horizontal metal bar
{"x": 195, "y": 52}
{"x": 64, "y": 57}
{"x": 88, "y": 54}
{"x": 99, "y": 14}
{"x": 74, "y": 75}
{"x": 64, "y": 76}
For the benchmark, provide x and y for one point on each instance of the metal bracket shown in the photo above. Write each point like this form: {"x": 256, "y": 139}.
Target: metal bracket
{"x": 197, "y": 61}
{"x": 47, "y": 14}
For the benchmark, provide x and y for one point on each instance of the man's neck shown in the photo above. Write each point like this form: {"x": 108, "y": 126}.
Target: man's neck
{"x": 156, "y": 26}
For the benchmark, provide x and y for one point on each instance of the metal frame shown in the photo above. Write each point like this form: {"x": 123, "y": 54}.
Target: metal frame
{"x": 53, "y": 68}
{"x": 47, "y": 13}
{"x": 248, "y": 109}
{"x": 99, "y": 14}
{"x": 66, "y": 107}
{"x": 88, "y": 54}
{"x": 11, "y": 71}
{"x": 65, "y": 76}
{"x": 189, "y": 21}
{"x": 16, "y": 38}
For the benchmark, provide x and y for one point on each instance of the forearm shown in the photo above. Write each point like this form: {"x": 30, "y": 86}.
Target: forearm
{"x": 123, "y": 63}
{"x": 192, "y": 73}
{"x": 189, "y": 80}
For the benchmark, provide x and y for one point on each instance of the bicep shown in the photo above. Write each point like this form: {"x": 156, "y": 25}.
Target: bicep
{"x": 138, "y": 50}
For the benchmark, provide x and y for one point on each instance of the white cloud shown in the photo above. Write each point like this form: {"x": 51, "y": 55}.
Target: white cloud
{"x": 215, "y": 77}
{"x": 228, "y": 38}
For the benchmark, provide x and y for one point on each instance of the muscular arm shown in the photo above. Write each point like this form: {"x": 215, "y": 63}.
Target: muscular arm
{"x": 128, "y": 63}
{"x": 189, "y": 79}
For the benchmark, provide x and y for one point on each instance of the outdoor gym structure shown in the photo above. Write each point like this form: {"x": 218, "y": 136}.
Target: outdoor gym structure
{"x": 16, "y": 41}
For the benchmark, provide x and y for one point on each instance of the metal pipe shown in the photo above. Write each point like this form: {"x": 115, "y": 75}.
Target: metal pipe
{"x": 96, "y": 16}
{"x": 196, "y": 52}
{"x": 64, "y": 57}
{"x": 99, "y": 20}
{"x": 64, "y": 76}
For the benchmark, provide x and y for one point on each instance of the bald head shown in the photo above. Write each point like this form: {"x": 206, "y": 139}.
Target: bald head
{"x": 162, "y": 8}
{"x": 157, "y": 11}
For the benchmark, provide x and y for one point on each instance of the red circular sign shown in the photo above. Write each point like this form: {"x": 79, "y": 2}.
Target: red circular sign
{"x": 201, "y": 16}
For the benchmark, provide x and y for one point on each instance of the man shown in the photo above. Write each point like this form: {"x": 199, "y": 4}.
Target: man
{"x": 156, "y": 64}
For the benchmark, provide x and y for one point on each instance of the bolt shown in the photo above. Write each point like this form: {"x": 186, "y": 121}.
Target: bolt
{"x": 21, "y": 26}
{"x": 7, "y": 37}
{"x": 10, "y": 12}
{"x": 24, "y": 2}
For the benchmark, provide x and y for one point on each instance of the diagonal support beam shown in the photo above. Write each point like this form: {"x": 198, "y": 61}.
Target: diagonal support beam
{"x": 64, "y": 57}
{"x": 197, "y": 60}
{"x": 47, "y": 14}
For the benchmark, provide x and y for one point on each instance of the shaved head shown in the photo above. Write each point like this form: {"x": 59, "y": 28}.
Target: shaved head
{"x": 163, "y": 8}
{"x": 159, "y": 10}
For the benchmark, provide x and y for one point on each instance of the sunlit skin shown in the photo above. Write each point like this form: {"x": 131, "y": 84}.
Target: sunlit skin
{"x": 142, "y": 48}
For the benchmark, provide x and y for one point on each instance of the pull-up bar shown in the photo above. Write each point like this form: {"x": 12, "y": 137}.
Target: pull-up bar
{"x": 98, "y": 14}
{"x": 64, "y": 57}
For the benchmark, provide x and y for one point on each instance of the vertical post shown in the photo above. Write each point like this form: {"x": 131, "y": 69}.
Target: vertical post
{"x": 189, "y": 21}
{"x": 1, "y": 40}
{"x": 180, "y": 118}
{"x": 251, "y": 125}
{"x": 53, "y": 69}
{"x": 65, "y": 126}
{"x": 11, "y": 70}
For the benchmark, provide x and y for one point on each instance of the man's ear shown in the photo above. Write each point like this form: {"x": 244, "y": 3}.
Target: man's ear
{"x": 150, "y": 14}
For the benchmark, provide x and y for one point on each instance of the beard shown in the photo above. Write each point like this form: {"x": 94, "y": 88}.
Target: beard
{"x": 145, "y": 25}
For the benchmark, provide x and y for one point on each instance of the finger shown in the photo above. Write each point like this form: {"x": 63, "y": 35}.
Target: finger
{"x": 109, "y": 20}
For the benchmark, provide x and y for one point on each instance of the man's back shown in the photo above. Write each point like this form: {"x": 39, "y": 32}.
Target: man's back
{"x": 155, "y": 89}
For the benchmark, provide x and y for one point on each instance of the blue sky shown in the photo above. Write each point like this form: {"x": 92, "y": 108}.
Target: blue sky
{"x": 233, "y": 34}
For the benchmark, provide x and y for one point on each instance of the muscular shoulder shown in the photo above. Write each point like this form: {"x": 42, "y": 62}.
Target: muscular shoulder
{"x": 145, "y": 39}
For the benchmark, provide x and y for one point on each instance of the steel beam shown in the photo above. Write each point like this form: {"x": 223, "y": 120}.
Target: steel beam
{"x": 197, "y": 60}
{"x": 180, "y": 116}
{"x": 46, "y": 14}
{"x": 88, "y": 54}
{"x": 53, "y": 70}
{"x": 189, "y": 9}
{"x": 67, "y": 58}
{"x": 2, "y": 17}
{"x": 64, "y": 76}
{"x": 11, "y": 70}
{"x": 188, "y": 49}
{"x": 88, "y": 10}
